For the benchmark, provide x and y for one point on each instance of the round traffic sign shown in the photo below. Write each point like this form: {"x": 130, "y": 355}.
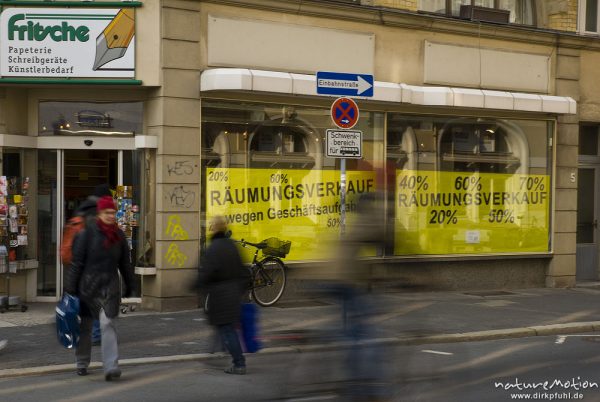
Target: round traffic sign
{"x": 344, "y": 113}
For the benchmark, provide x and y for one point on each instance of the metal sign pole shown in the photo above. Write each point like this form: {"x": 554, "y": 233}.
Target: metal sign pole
{"x": 343, "y": 198}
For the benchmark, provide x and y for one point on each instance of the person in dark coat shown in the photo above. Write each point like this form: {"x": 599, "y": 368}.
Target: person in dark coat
{"x": 223, "y": 276}
{"x": 87, "y": 210}
{"x": 100, "y": 252}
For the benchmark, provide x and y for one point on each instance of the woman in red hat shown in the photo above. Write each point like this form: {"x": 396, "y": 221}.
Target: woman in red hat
{"x": 100, "y": 251}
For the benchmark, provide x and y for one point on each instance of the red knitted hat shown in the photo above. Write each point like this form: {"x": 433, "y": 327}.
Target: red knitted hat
{"x": 105, "y": 202}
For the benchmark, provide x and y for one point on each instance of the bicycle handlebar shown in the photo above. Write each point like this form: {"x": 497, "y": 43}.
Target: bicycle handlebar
{"x": 259, "y": 246}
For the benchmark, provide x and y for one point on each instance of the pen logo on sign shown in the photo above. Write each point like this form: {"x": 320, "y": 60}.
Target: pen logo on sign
{"x": 344, "y": 113}
{"x": 114, "y": 40}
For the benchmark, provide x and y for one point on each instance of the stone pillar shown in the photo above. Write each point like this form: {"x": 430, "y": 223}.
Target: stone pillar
{"x": 562, "y": 268}
{"x": 175, "y": 118}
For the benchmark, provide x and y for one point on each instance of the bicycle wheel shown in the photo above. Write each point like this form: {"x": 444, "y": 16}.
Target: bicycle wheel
{"x": 269, "y": 281}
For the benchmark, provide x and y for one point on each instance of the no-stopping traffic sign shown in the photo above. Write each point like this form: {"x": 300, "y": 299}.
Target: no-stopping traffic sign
{"x": 344, "y": 113}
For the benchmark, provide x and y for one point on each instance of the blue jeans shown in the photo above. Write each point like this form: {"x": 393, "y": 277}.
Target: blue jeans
{"x": 232, "y": 343}
{"x": 96, "y": 331}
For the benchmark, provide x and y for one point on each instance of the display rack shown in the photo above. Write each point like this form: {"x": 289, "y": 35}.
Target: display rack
{"x": 127, "y": 220}
{"x": 13, "y": 233}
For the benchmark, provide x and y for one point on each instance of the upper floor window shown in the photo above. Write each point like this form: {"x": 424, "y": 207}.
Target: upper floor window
{"x": 521, "y": 11}
{"x": 588, "y": 16}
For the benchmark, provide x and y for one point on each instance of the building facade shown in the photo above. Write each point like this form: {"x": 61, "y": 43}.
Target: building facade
{"x": 482, "y": 133}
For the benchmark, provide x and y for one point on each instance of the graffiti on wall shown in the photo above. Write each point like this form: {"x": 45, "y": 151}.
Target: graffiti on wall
{"x": 176, "y": 231}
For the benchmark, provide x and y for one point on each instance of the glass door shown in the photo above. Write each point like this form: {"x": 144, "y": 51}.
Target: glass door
{"x": 48, "y": 216}
{"x": 84, "y": 170}
{"x": 587, "y": 224}
{"x": 67, "y": 178}
{"x": 588, "y": 180}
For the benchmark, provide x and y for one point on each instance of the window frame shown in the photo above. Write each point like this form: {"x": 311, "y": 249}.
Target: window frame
{"x": 581, "y": 18}
{"x": 425, "y": 155}
{"x": 449, "y": 12}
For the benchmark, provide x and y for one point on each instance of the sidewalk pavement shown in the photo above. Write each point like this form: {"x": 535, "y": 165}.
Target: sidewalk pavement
{"x": 292, "y": 326}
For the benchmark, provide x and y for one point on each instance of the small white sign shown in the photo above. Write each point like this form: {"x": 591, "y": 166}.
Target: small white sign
{"x": 472, "y": 237}
{"x": 344, "y": 144}
{"x": 67, "y": 42}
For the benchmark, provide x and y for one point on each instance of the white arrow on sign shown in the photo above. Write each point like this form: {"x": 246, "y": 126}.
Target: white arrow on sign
{"x": 361, "y": 85}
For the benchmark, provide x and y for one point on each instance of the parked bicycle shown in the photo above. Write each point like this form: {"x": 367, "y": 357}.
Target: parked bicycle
{"x": 267, "y": 272}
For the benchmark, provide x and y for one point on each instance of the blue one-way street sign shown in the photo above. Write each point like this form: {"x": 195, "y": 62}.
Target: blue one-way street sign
{"x": 344, "y": 84}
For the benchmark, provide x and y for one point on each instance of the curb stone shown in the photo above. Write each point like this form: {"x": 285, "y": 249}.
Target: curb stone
{"x": 510, "y": 333}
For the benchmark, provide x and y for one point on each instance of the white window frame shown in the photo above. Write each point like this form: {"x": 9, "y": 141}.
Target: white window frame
{"x": 581, "y": 18}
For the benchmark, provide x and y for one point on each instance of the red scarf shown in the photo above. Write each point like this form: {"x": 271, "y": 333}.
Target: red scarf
{"x": 111, "y": 232}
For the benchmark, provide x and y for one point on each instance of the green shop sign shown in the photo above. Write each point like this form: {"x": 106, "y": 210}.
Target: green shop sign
{"x": 38, "y": 32}
{"x": 67, "y": 42}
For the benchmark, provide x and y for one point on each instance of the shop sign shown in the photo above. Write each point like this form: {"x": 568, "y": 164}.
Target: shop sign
{"x": 471, "y": 213}
{"x": 302, "y": 206}
{"x": 344, "y": 144}
{"x": 53, "y": 42}
{"x": 92, "y": 118}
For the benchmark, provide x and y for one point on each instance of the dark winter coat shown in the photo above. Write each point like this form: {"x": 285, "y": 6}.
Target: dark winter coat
{"x": 93, "y": 276}
{"x": 223, "y": 276}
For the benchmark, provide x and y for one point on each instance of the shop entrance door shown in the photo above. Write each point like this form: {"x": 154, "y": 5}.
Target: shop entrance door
{"x": 587, "y": 223}
{"x": 66, "y": 178}
{"x": 84, "y": 169}
{"x": 588, "y": 180}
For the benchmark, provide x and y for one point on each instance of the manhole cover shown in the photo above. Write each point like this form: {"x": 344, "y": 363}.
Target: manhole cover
{"x": 484, "y": 293}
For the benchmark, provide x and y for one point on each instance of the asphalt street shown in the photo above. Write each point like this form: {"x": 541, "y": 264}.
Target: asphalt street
{"x": 558, "y": 367}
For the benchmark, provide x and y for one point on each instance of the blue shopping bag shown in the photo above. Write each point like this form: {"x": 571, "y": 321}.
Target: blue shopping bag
{"x": 249, "y": 321}
{"x": 67, "y": 321}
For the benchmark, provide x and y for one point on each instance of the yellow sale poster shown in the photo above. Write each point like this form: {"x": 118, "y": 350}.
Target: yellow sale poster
{"x": 464, "y": 213}
{"x": 302, "y": 206}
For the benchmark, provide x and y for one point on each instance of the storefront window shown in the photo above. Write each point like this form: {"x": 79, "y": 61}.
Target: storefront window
{"x": 265, "y": 169}
{"x": 90, "y": 118}
{"x": 470, "y": 185}
{"x": 18, "y": 225}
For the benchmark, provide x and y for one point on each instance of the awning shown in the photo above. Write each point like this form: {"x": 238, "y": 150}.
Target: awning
{"x": 241, "y": 79}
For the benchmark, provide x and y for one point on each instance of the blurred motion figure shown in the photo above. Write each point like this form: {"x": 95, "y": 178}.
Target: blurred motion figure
{"x": 348, "y": 278}
{"x": 223, "y": 276}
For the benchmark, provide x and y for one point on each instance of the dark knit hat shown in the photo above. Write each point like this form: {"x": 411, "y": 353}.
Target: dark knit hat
{"x": 105, "y": 202}
{"x": 101, "y": 190}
